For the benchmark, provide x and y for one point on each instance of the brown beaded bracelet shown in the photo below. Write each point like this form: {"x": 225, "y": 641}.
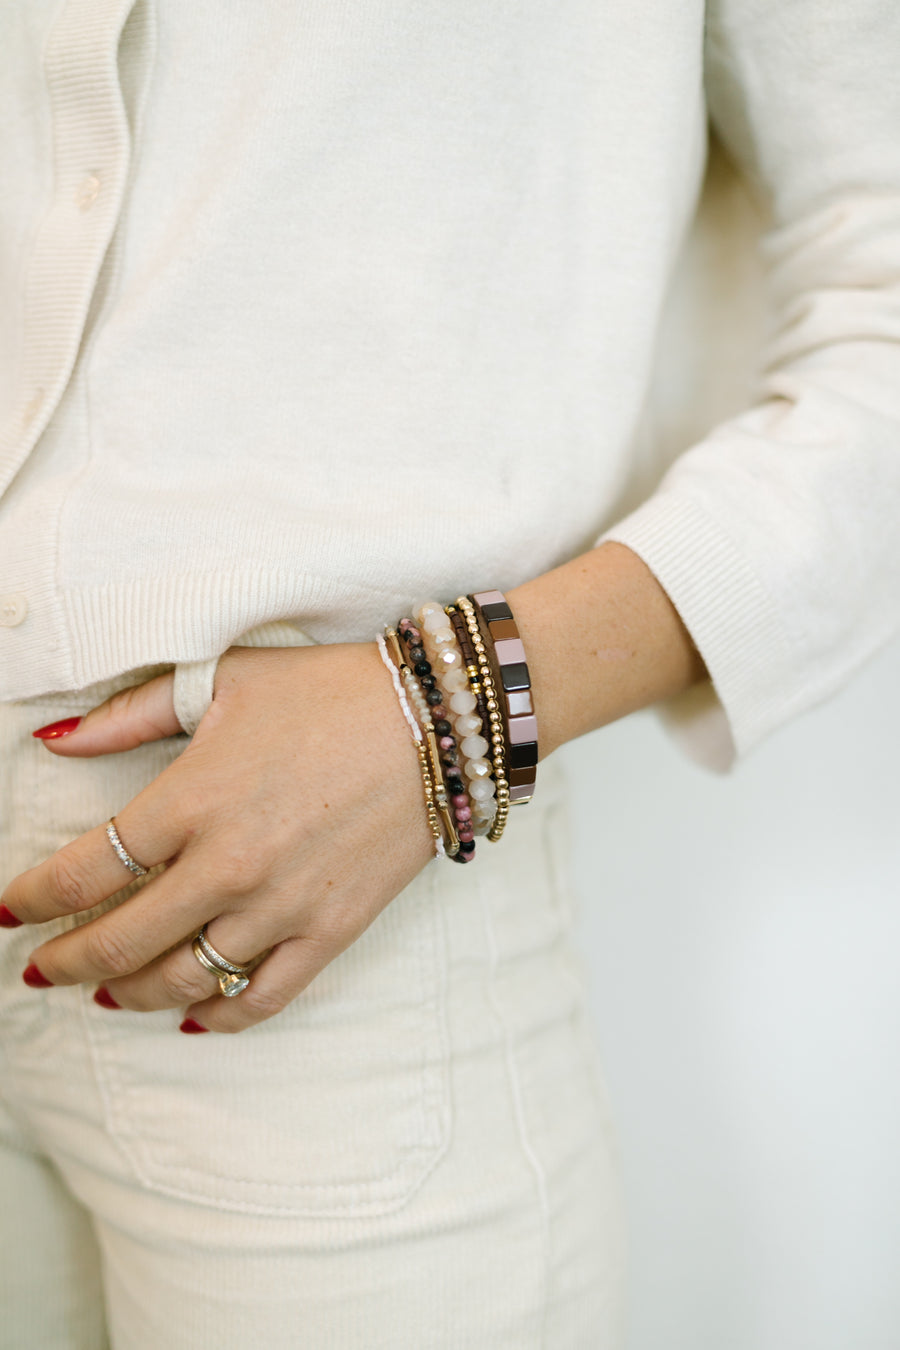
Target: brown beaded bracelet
{"x": 513, "y": 682}
{"x": 456, "y": 808}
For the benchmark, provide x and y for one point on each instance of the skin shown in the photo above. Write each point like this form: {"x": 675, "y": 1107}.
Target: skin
{"x": 328, "y": 824}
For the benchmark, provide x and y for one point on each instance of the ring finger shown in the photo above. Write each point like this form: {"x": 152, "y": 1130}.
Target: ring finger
{"x": 178, "y": 977}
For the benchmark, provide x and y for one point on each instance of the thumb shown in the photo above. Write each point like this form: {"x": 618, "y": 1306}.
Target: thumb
{"x": 142, "y": 712}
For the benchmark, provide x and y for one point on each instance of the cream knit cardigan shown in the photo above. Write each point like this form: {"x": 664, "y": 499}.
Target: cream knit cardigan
{"x": 311, "y": 308}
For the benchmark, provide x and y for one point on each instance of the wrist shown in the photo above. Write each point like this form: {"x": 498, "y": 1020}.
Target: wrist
{"x": 602, "y": 639}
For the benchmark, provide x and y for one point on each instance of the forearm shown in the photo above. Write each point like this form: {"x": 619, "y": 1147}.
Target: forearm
{"x": 602, "y": 640}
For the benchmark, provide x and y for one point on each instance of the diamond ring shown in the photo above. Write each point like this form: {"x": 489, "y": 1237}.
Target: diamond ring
{"x": 122, "y": 852}
{"x": 232, "y": 978}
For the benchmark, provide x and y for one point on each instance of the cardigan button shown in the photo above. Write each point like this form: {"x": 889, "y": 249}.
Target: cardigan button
{"x": 32, "y": 407}
{"x": 13, "y": 609}
{"x": 88, "y": 192}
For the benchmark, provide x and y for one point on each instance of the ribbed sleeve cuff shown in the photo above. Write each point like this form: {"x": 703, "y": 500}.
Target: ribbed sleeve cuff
{"x": 732, "y": 620}
{"x": 193, "y": 691}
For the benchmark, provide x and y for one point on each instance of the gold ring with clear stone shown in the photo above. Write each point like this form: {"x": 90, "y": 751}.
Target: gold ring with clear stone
{"x": 232, "y": 978}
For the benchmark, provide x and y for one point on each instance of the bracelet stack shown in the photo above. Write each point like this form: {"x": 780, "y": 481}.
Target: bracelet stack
{"x": 460, "y": 674}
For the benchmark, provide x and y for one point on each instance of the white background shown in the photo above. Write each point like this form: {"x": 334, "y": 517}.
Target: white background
{"x": 743, "y": 942}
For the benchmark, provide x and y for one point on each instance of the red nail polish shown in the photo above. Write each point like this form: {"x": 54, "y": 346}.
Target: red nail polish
{"x": 8, "y": 919}
{"x": 53, "y": 730}
{"x": 105, "y": 998}
{"x": 31, "y": 975}
{"x": 191, "y": 1027}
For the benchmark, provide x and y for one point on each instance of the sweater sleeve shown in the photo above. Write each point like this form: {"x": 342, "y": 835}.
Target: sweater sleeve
{"x": 777, "y": 536}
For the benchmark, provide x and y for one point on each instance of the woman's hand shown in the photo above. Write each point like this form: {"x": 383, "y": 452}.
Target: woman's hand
{"x": 289, "y": 822}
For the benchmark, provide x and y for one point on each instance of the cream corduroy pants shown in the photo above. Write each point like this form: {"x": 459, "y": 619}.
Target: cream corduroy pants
{"x": 417, "y": 1154}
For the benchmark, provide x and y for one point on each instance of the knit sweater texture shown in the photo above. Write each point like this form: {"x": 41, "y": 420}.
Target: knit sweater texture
{"x": 311, "y": 310}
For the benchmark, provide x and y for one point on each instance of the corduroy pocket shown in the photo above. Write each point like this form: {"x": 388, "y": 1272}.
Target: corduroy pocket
{"x": 339, "y": 1105}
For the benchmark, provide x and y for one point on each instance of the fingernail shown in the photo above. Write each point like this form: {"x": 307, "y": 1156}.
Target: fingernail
{"x": 191, "y": 1027}
{"x": 7, "y": 919}
{"x": 53, "y": 730}
{"x": 31, "y": 975}
{"x": 105, "y": 998}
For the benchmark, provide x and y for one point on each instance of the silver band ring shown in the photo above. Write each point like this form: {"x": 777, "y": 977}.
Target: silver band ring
{"x": 131, "y": 863}
{"x": 232, "y": 978}
{"x": 216, "y": 957}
